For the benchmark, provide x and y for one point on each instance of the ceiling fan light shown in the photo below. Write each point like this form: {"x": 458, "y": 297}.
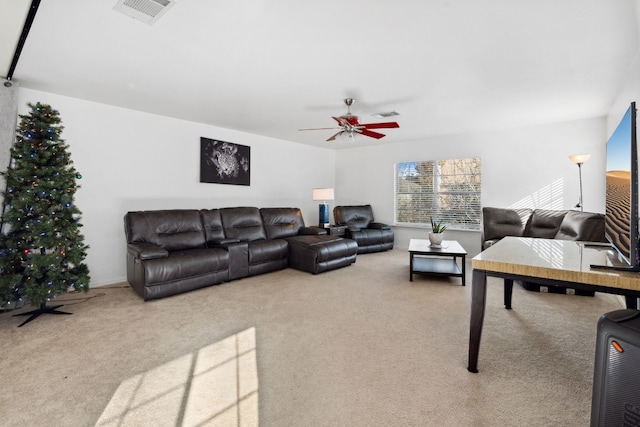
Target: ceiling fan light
{"x": 348, "y": 136}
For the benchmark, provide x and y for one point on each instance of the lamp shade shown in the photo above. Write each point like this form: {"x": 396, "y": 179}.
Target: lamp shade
{"x": 323, "y": 194}
{"x": 579, "y": 158}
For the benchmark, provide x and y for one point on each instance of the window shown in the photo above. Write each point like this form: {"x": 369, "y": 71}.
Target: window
{"x": 447, "y": 190}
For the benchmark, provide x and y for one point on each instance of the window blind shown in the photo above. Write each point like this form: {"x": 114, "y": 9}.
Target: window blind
{"x": 446, "y": 190}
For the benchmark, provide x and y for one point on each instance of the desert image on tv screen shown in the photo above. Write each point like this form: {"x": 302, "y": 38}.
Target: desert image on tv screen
{"x": 618, "y": 209}
{"x": 618, "y": 186}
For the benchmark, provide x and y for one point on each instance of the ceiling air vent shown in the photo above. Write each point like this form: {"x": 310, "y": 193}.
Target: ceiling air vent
{"x": 148, "y": 11}
{"x": 387, "y": 114}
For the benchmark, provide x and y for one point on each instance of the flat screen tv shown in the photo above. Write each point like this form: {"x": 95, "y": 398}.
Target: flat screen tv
{"x": 621, "y": 206}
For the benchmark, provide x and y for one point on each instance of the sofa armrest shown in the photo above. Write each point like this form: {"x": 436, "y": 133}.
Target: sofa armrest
{"x": 146, "y": 251}
{"x": 221, "y": 243}
{"x": 379, "y": 226}
{"x": 238, "y": 258}
{"x": 312, "y": 231}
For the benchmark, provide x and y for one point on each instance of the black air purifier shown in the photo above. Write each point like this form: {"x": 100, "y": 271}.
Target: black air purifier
{"x": 616, "y": 378}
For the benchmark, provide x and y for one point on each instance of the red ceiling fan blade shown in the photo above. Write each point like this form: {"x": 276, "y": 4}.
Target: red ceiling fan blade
{"x": 343, "y": 121}
{"x": 371, "y": 134}
{"x": 334, "y": 136}
{"x": 351, "y": 119}
{"x": 385, "y": 125}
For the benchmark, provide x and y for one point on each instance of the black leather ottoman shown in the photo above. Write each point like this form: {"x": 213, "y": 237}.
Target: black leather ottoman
{"x": 316, "y": 254}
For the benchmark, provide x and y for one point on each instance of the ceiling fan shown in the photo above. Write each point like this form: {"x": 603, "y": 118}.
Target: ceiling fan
{"x": 349, "y": 125}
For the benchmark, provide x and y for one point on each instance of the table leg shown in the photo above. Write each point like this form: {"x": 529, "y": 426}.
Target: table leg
{"x": 411, "y": 266}
{"x": 464, "y": 271}
{"x": 631, "y": 301}
{"x": 478, "y": 302}
{"x": 508, "y": 291}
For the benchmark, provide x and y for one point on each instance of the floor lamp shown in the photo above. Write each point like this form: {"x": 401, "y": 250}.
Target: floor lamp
{"x": 323, "y": 194}
{"x": 579, "y": 159}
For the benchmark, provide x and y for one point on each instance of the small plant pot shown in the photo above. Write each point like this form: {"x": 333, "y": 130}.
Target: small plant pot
{"x": 435, "y": 238}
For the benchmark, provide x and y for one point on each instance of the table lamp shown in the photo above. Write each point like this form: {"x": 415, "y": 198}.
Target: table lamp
{"x": 323, "y": 194}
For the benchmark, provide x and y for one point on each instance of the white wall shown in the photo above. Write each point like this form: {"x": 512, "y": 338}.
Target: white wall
{"x": 629, "y": 89}
{"x": 527, "y": 167}
{"x": 8, "y": 117}
{"x": 133, "y": 161}
{"x": 629, "y": 92}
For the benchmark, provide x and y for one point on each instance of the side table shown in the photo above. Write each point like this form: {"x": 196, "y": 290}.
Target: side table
{"x": 334, "y": 230}
{"x": 337, "y": 230}
{"x": 427, "y": 259}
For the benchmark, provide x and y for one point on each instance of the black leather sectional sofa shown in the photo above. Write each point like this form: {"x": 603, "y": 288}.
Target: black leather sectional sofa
{"x": 543, "y": 223}
{"x": 175, "y": 251}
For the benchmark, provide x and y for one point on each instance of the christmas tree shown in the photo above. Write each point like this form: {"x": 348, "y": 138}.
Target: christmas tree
{"x": 41, "y": 248}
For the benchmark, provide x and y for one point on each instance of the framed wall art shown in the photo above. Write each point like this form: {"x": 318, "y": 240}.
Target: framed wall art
{"x": 224, "y": 162}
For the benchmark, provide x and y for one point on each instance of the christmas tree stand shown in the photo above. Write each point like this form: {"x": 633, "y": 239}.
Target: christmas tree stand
{"x": 44, "y": 309}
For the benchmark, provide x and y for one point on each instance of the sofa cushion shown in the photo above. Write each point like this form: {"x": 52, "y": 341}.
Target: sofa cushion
{"x": 372, "y": 240}
{"x": 544, "y": 223}
{"x": 180, "y": 265}
{"x": 172, "y": 230}
{"x": 500, "y": 222}
{"x": 321, "y": 244}
{"x": 281, "y": 222}
{"x": 316, "y": 254}
{"x": 243, "y": 223}
{"x": 261, "y": 251}
{"x": 584, "y": 226}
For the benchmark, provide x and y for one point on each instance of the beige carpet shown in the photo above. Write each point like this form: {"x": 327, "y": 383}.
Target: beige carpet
{"x": 359, "y": 346}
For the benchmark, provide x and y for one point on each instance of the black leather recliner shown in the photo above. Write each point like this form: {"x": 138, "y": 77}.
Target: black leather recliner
{"x": 167, "y": 253}
{"x": 371, "y": 236}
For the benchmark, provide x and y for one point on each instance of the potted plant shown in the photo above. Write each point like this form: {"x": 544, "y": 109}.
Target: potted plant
{"x": 436, "y": 233}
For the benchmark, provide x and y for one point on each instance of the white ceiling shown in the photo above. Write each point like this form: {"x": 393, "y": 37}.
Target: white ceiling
{"x": 12, "y": 18}
{"x": 272, "y": 67}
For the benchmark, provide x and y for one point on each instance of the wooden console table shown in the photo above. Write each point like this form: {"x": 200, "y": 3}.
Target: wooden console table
{"x": 547, "y": 262}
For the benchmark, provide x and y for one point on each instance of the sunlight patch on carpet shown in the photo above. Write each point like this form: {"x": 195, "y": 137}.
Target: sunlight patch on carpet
{"x": 217, "y": 385}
